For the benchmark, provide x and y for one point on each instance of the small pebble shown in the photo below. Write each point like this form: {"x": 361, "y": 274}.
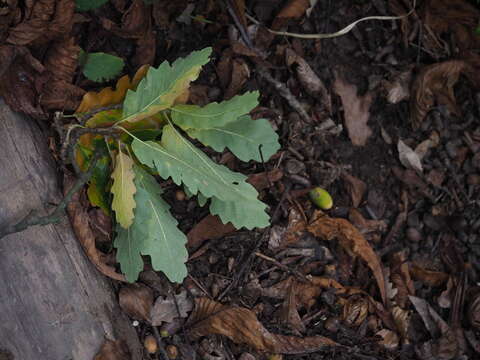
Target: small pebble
{"x": 150, "y": 344}
{"x": 172, "y": 351}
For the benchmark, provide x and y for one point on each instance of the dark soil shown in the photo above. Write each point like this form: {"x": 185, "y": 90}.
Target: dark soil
{"x": 431, "y": 218}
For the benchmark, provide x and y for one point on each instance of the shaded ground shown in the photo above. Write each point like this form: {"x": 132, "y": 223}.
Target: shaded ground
{"x": 411, "y": 81}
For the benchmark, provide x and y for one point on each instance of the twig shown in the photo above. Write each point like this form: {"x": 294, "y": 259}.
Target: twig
{"x": 297, "y": 274}
{"x": 82, "y": 118}
{"x": 341, "y": 32}
{"x": 284, "y": 92}
{"x": 55, "y": 217}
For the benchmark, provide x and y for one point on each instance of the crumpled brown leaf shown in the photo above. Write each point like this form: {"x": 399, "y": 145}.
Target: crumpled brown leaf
{"x": 113, "y": 350}
{"x": 242, "y": 326}
{"x": 429, "y": 277}
{"x": 80, "y": 223}
{"x": 434, "y": 84}
{"x": 165, "y": 308}
{"x": 43, "y": 21}
{"x": 61, "y": 62}
{"x": 458, "y": 18}
{"x": 356, "y": 111}
{"x": 136, "y": 300}
{"x": 352, "y": 241}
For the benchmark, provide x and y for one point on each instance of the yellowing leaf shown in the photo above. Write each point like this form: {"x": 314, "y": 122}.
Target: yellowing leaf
{"x": 123, "y": 190}
{"x": 162, "y": 86}
{"x": 108, "y": 96}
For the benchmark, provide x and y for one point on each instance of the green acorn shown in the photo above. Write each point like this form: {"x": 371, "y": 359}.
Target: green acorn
{"x": 321, "y": 198}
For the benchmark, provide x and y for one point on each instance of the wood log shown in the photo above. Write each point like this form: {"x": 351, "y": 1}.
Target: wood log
{"x": 54, "y": 305}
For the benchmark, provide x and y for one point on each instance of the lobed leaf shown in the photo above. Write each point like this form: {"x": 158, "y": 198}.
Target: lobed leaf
{"x": 162, "y": 86}
{"x": 233, "y": 199}
{"x": 243, "y": 137}
{"x": 214, "y": 114}
{"x": 123, "y": 190}
{"x": 154, "y": 232}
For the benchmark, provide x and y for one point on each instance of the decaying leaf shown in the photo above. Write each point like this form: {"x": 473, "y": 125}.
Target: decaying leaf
{"x": 389, "y": 339}
{"x": 444, "y": 347}
{"x": 46, "y": 20}
{"x": 429, "y": 277}
{"x": 136, "y": 300}
{"x": 309, "y": 79}
{"x": 242, "y": 326}
{"x": 81, "y": 226}
{"x": 355, "y": 311}
{"x": 113, "y": 350}
{"x": 165, "y": 308}
{"x": 123, "y": 190}
{"x": 352, "y": 241}
{"x": 399, "y": 88}
{"x": 356, "y": 111}
{"x": 434, "y": 84}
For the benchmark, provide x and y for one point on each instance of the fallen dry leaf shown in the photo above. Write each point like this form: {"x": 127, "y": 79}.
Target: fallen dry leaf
{"x": 429, "y": 277}
{"x": 44, "y": 21}
{"x": 408, "y": 157}
{"x": 309, "y": 80}
{"x": 165, "y": 308}
{"x": 113, "y": 350}
{"x": 107, "y": 96}
{"x": 457, "y": 18}
{"x": 355, "y": 311}
{"x": 352, "y": 241}
{"x": 239, "y": 75}
{"x": 81, "y": 226}
{"x": 293, "y": 10}
{"x": 136, "y": 300}
{"x": 446, "y": 347}
{"x": 61, "y": 61}
{"x": 355, "y": 187}
{"x": 434, "y": 84}
{"x": 356, "y": 111}
{"x": 389, "y": 339}
{"x": 400, "y": 276}
{"x": 364, "y": 225}
{"x": 242, "y": 326}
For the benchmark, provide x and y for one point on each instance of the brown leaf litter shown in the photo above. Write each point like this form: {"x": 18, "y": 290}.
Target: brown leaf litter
{"x": 242, "y": 326}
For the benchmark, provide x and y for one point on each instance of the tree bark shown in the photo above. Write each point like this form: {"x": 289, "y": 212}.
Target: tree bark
{"x": 54, "y": 304}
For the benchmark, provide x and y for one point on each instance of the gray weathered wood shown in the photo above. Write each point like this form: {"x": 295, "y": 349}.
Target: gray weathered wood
{"x": 54, "y": 305}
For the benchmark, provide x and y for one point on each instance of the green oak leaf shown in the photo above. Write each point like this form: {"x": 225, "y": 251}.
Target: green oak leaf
{"x": 233, "y": 199}
{"x": 162, "y": 86}
{"x": 154, "y": 232}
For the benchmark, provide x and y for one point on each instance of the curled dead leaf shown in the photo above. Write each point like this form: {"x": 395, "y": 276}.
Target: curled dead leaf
{"x": 242, "y": 326}
{"x": 79, "y": 219}
{"x": 45, "y": 20}
{"x": 352, "y": 241}
{"x": 136, "y": 300}
{"x": 355, "y": 187}
{"x": 429, "y": 277}
{"x": 435, "y": 83}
